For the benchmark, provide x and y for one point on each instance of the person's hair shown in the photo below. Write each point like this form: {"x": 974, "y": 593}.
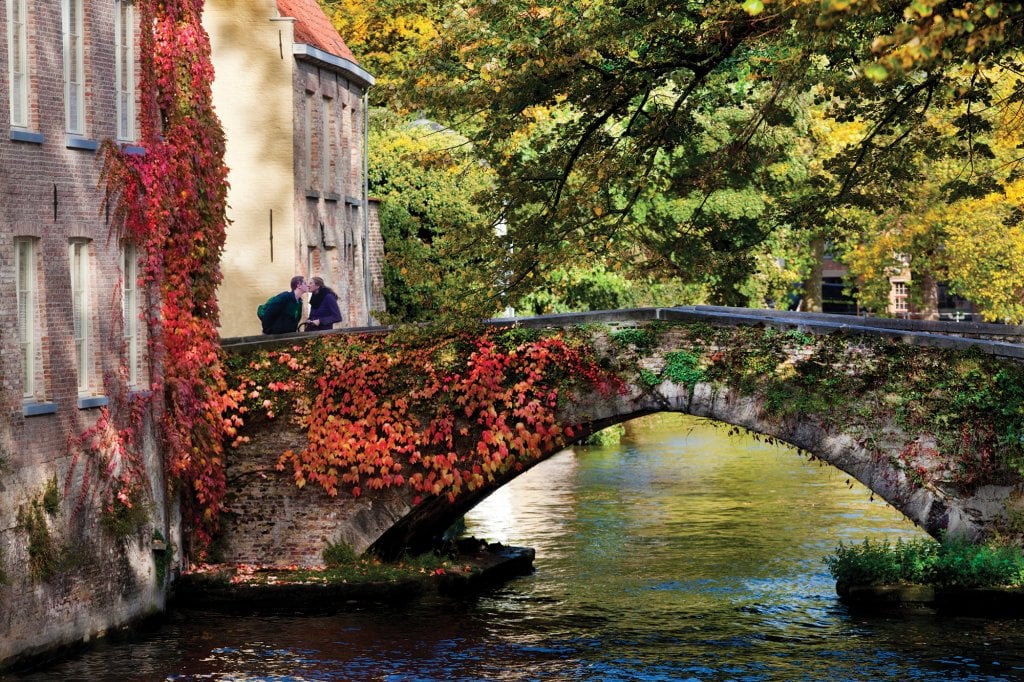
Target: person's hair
{"x": 319, "y": 281}
{"x": 296, "y": 281}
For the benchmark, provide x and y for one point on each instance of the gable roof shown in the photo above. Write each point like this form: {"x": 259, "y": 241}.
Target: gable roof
{"x": 312, "y": 27}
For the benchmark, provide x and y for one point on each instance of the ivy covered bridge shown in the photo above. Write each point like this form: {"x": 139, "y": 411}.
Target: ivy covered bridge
{"x": 382, "y": 439}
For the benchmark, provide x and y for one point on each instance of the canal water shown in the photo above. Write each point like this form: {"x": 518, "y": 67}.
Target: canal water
{"x": 682, "y": 553}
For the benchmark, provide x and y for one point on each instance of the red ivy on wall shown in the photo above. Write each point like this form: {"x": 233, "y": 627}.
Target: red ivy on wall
{"x": 170, "y": 201}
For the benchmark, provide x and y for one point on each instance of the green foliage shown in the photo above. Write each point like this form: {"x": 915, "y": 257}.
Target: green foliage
{"x": 162, "y": 559}
{"x": 683, "y": 367}
{"x": 648, "y": 378}
{"x": 337, "y": 554}
{"x": 642, "y": 339}
{"x": 45, "y": 555}
{"x": 51, "y": 497}
{"x": 881, "y": 563}
{"x": 512, "y": 337}
{"x": 442, "y": 253}
{"x": 966, "y": 565}
{"x": 606, "y": 437}
{"x": 125, "y": 513}
{"x": 611, "y": 147}
{"x": 596, "y": 286}
{"x": 949, "y": 563}
{"x": 801, "y": 338}
{"x": 362, "y": 570}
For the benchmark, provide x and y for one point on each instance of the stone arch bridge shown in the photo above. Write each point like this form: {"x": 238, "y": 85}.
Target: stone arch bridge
{"x": 927, "y": 415}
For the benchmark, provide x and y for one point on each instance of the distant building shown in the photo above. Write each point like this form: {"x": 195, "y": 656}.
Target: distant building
{"x": 835, "y": 299}
{"x": 292, "y": 100}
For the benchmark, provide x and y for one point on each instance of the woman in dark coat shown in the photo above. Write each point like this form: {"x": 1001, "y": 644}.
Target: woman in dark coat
{"x": 323, "y": 306}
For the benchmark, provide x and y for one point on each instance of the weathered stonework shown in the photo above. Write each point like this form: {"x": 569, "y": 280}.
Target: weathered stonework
{"x": 268, "y": 505}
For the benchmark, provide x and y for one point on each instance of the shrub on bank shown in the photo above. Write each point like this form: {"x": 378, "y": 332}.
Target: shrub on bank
{"x": 950, "y": 563}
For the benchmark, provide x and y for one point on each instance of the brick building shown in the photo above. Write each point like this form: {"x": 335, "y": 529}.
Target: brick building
{"x": 73, "y": 341}
{"x": 292, "y": 100}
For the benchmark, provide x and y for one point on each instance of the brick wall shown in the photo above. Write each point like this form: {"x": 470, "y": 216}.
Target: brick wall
{"x": 332, "y": 221}
{"x": 48, "y": 193}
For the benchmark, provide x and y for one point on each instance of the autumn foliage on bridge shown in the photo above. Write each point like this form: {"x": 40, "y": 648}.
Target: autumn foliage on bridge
{"x": 440, "y": 416}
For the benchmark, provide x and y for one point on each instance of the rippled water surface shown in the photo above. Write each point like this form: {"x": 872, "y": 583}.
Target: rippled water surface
{"x": 680, "y": 554}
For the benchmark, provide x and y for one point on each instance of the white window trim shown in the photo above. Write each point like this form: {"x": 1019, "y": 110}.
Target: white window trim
{"x": 25, "y": 287}
{"x": 124, "y": 68}
{"x": 130, "y": 310}
{"x": 17, "y": 52}
{"x": 78, "y": 256}
{"x": 74, "y": 83}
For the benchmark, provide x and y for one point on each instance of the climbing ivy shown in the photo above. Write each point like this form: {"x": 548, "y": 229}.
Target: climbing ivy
{"x": 440, "y": 416}
{"x": 170, "y": 201}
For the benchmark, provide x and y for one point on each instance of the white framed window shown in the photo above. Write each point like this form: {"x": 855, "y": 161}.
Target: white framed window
{"x": 899, "y": 290}
{"x": 74, "y": 66}
{"x": 25, "y": 288}
{"x": 124, "y": 58}
{"x": 130, "y": 310}
{"x": 78, "y": 255}
{"x": 17, "y": 48}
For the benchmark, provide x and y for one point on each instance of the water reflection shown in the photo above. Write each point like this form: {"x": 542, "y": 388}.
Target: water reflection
{"x": 681, "y": 554}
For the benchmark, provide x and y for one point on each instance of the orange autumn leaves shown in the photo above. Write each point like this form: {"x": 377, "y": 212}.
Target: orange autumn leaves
{"x": 440, "y": 417}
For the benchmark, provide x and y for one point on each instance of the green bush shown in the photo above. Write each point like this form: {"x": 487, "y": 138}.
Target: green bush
{"x": 51, "y": 497}
{"x": 949, "y": 563}
{"x": 965, "y": 565}
{"x": 44, "y": 553}
{"x": 606, "y": 437}
{"x": 338, "y": 554}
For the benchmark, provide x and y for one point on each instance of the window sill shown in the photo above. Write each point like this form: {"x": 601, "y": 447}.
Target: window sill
{"x": 132, "y": 149}
{"x": 34, "y": 409}
{"x": 353, "y": 201}
{"x": 87, "y": 402}
{"x": 27, "y": 136}
{"x": 76, "y": 142}
{"x": 332, "y": 196}
{"x": 312, "y": 194}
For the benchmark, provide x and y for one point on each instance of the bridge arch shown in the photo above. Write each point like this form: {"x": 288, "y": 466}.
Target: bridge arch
{"x": 681, "y": 368}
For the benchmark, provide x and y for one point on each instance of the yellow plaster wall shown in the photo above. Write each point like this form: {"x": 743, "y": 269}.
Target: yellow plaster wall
{"x": 252, "y": 94}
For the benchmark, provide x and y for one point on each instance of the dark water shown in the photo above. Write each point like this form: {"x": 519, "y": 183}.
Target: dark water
{"x": 682, "y": 554}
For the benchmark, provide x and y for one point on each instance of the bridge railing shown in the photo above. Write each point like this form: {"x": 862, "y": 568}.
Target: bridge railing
{"x": 995, "y": 339}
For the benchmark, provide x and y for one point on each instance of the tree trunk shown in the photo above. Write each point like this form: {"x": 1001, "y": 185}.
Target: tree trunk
{"x": 812, "y": 285}
{"x": 929, "y": 297}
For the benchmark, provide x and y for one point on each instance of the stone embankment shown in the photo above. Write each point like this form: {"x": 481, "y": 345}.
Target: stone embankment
{"x": 477, "y": 566}
{"x": 985, "y": 602}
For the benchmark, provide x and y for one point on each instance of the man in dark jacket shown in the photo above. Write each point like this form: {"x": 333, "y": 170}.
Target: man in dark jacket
{"x": 281, "y": 313}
